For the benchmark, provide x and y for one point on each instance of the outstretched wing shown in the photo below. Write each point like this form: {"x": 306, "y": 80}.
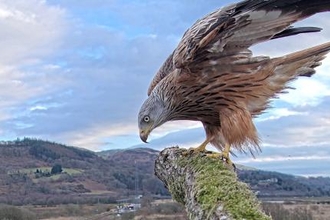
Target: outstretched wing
{"x": 224, "y": 36}
{"x": 235, "y": 28}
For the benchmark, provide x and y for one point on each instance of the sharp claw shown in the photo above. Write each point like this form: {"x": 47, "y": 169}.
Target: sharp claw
{"x": 199, "y": 149}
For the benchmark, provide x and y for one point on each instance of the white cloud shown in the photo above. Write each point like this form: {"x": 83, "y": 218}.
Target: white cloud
{"x": 308, "y": 91}
{"x": 29, "y": 29}
{"x": 277, "y": 113}
{"x": 38, "y": 107}
{"x": 97, "y": 137}
{"x": 174, "y": 126}
{"x": 30, "y": 32}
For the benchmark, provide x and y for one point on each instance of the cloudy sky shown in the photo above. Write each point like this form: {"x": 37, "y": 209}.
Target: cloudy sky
{"x": 76, "y": 72}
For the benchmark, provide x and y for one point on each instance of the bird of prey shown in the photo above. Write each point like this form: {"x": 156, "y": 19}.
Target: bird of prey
{"x": 213, "y": 77}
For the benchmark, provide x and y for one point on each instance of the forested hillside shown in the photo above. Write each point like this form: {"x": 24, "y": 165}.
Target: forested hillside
{"x": 26, "y": 177}
{"x": 41, "y": 172}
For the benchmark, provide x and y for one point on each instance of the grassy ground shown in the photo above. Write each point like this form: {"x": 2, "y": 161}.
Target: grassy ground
{"x": 64, "y": 218}
{"x": 31, "y": 172}
{"x": 318, "y": 211}
{"x": 71, "y": 211}
{"x": 305, "y": 209}
{"x": 48, "y": 169}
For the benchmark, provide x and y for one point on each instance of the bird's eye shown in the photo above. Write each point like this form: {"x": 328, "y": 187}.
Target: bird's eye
{"x": 146, "y": 118}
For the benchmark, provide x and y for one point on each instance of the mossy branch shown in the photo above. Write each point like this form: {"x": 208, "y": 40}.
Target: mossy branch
{"x": 207, "y": 187}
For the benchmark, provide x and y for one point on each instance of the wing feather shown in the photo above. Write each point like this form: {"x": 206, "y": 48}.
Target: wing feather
{"x": 224, "y": 36}
{"x": 239, "y": 26}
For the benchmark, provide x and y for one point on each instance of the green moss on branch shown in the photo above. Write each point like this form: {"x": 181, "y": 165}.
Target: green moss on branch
{"x": 207, "y": 187}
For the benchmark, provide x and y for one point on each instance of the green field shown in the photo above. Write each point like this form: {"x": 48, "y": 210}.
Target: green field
{"x": 32, "y": 171}
{"x": 69, "y": 171}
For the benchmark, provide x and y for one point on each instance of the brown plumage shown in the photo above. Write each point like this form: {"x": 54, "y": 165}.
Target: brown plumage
{"x": 213, "y": 77}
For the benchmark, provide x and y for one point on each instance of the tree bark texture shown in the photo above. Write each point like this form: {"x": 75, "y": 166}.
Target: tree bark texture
{"x": 207, "y": 187}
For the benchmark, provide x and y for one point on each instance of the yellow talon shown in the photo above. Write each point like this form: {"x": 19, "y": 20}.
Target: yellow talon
{"x": 202, "y": 149}
{"x": 199, "y": 149}
{"x": 224, "y": 155}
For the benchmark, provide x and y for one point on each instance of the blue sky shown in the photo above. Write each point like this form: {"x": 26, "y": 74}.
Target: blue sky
{"x": 76, "y": 72}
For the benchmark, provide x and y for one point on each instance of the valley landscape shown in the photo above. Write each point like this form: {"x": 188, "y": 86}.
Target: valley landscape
{"x": 50, "y": 180}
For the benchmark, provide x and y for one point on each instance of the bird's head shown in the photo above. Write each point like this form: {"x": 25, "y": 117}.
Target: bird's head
{"x": 152, "y": 115}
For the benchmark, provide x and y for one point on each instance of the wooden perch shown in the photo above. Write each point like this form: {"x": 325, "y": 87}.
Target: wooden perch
{"x": 207, "y": 187}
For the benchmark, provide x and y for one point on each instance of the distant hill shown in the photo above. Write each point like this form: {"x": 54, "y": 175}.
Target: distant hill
{"x": 274, "y": 184}
{"x": 26, "y": 175}
{"x": 117, "y": 153}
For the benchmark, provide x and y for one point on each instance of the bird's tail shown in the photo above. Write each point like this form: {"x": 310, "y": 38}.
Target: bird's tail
{"x": 283, "y": 70}
{"x": 301, "y": 63}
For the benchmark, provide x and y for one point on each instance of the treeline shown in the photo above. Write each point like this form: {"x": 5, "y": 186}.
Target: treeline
{"x": 26, "y": 141}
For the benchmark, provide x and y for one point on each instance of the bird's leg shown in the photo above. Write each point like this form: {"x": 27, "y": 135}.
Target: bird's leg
{"x": 200, "y": 148}
{"x": 224, "y": 155}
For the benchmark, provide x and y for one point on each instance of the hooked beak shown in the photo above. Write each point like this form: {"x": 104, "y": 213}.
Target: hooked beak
{"x": 144, "y": 135}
